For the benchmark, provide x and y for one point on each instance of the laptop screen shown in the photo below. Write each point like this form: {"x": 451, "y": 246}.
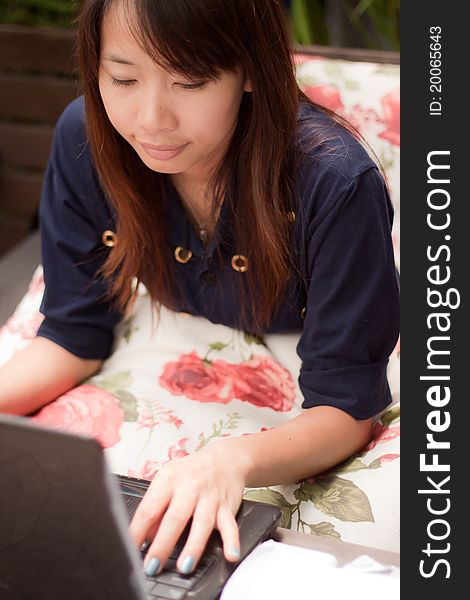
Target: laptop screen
{"x": 63, "y": 526}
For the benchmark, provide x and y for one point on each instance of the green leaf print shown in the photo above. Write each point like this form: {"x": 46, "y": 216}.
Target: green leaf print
{"x": 324, "y": 529}
{"x": 387, "y": 157}
{"x": 128, "y": 403}
{"x": 391, "y": 415}
{"x": 387, "y": 70}
{"x": 114, "y": 383}
{"x": 350, "y": 466}
{"x": 128, "y": 329}
{"x": 337, "y": 497}
{"x": 334, "y": 70}
{"x": 304, "y": 492}
{"x": 375, "y": 464}
{"x": 351, "y": 85}
{"x": 253, "y": 339}
{"x": 218, "y": 429}
{"x": 272, "y": 497}
{"x": 309, "y": 80}
{"x": 218, "y": 346}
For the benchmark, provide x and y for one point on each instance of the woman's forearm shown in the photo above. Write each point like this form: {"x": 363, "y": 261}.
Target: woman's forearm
{"x": 311, "y": 443}
{"x": 40, "y": 373}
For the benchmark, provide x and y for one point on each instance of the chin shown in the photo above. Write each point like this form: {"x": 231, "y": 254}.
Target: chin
{"x": 160, "y": 166}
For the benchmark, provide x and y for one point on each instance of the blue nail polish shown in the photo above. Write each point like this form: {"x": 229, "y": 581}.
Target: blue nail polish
{"x": 152, "y": 567}
{"x": 235, "y": 552}
{"x": 187, "y": 565}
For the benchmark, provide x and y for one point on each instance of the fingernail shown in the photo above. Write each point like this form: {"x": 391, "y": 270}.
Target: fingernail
{"x": 145, "y": 546}
{"x": 152, "y": 567}
{"x": 187, "y": 565}
{"x": 235, "y": 552}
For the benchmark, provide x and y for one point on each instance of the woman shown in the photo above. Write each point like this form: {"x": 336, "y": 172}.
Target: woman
{"x": 195, "y": 164}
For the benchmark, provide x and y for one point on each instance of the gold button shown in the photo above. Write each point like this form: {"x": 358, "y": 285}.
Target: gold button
{"x": 240, "y": 263}
{"x": 108, "y": 238}
{"x": 291, "y": 216}
{"x": 302, "y": 312}
{"x": 182, "y": 255}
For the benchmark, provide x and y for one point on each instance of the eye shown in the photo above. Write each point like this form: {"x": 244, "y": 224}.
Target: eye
{"x": 193, "y": 86}
{"x": 123, "y": 82}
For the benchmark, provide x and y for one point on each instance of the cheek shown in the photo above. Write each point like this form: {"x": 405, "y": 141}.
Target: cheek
{"x": 116, "y": 112}
{"x": 106, "y": 102}
{"x": 214, "y": 118}
{"x": 114, "y": 106}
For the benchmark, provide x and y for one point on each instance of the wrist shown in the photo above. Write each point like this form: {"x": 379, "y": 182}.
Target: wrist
{"x": 235, "y": 452}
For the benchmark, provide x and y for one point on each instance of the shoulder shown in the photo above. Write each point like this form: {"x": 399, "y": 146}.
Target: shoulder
{"x": 72, "y": 178}
{"x": 332, "y": 164}
{"x": 327, "y": 146}
{"x": 70, "y": 155}
{"x": 70, "y": 127}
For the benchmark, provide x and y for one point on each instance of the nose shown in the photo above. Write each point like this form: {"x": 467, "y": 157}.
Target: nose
{"x": 156, "y": 113}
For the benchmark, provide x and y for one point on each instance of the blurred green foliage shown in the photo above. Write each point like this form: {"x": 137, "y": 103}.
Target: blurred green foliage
{"x": 308, "y": 19}
{"x": 377, "y": 22}
{"x": 47, "y": 13}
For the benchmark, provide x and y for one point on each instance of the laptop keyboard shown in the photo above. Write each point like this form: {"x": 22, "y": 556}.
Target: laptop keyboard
{"x": 170, "y": 584}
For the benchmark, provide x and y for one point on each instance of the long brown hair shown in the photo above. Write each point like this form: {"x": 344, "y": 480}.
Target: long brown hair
{"x": 259, "y": 169}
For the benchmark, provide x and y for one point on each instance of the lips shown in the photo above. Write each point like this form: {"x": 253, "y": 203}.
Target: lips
{"x": 163, "y": 151}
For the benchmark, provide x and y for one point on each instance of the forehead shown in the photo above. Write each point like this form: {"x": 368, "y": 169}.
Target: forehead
{"x": 129, "y": 34}
{"x": 122, "y": 41}
{"x": 119, "y": 23}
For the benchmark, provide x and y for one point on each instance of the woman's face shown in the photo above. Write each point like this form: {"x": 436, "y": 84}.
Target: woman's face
{"x": 174, "y": 124}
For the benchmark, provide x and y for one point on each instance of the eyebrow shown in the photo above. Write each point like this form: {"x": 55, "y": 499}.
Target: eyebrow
{"x": 117, "y": 59}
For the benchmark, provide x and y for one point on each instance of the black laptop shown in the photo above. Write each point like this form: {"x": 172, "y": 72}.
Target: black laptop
{"x": 64, "y": 526}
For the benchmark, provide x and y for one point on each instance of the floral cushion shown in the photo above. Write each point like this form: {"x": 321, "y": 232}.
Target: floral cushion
{"x": 368, "y": 96}
{"x": 141, "y": 406}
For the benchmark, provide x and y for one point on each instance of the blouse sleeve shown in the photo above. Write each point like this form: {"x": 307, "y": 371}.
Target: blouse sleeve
{"x": 352, "y": 312}
{"x": 73, "y": 216}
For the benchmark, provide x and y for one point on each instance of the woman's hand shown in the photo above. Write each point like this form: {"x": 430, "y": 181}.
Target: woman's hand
{"x": 207, "y": 486}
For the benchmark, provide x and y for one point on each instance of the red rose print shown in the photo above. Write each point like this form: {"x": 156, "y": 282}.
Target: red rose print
{"x": 25, "y": 328}
{"x": 36, "y": 285}
{"x": 302, "y": 58}
{"x": 396, "y": 244}
{"x": 178, "y": 450}
{"x": 263, "y": 382}
{"x": 388, "y": 458}
{"x": 86, "y": 410}
{"x": 382, "y": 434}
{"x": 326, "y": 95}
{"x": 366, "y": 120}
{"x": 155, "y": 414}
{"x": 199, "y": 380}
{"x": 397, "y": 348}
{"x": 174, "y": 420}
{"x": 391, "y": 106}
{"x": 151, "y": 467}
{"x": 148, "y": 471}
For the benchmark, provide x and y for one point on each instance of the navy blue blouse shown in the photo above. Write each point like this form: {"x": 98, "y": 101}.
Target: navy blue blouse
{"x": 347, "y": 307}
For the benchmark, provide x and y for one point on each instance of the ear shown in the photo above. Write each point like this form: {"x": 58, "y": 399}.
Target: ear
{"x": 247, "y": 87}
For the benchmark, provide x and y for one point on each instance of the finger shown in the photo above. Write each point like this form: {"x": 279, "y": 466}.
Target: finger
{"x": 201, "y": 528}
{"x": 148, "y": 515}
{"x": 150, "y": 537}
{"x": 228, "y": 528}
{"x": 171, "y": 526}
